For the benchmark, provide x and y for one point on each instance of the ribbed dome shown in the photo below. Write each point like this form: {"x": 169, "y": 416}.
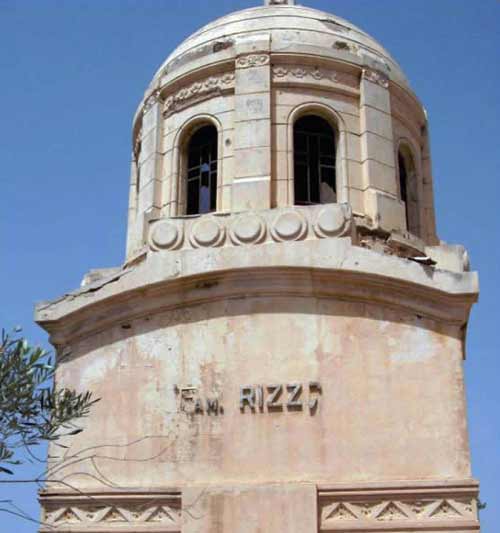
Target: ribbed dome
{"x": 294, "y": 29}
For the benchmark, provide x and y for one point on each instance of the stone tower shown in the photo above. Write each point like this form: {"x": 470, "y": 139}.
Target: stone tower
{"x": 282, "y": 349}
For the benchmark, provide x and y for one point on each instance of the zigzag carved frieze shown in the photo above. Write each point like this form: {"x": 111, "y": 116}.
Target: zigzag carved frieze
{"x": 338, "y": 513}
{"x": 123, "y": 514}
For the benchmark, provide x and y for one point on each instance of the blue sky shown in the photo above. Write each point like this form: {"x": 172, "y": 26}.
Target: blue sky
{"x": 72, "y": 74}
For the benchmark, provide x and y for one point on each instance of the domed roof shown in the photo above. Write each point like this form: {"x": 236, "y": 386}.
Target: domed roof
{"x": 293, "y": 29}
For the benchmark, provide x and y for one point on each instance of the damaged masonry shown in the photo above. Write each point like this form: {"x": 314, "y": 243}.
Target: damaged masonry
{"x": 282, "y": 348}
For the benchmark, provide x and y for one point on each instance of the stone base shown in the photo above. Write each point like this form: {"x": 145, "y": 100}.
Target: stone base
{"x": 287, "y": 507}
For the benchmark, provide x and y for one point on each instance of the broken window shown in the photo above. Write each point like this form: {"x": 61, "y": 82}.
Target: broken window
{"x": 201, "y": 178}
{"x": 408, "y": 189}
{"x": 314, "y": 161}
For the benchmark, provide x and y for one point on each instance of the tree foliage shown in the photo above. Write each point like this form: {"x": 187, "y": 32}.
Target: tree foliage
{"x": 32, "y": 409}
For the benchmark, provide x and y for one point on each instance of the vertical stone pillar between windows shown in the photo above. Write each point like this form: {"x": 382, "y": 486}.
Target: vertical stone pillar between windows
{"x": 251, "y": 188}
{"x": 381, "y": 200}
{"x": 132, "y": 240}
{"x": 149, "y": 168}
{"x": 427, "y": 212}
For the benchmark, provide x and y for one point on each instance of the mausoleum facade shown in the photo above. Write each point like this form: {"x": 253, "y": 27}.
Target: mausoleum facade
{"x": 282, "y": 349}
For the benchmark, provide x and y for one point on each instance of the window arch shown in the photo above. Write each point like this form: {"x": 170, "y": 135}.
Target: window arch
{"x": 314, "y": 149}
{"x": 201, "y": 171}
{"x": 408, "y": 188}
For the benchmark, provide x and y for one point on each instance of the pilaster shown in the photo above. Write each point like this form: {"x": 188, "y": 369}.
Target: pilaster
{"x": 146, "y": 174}
{"x": 377, "y": 153}
{"x": 251, "y": 187}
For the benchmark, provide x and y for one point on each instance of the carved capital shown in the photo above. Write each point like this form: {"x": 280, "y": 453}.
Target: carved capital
{"x": 151, "y": 100}
{"x": 252, "y": 60}
{"x": 375, "y": 76}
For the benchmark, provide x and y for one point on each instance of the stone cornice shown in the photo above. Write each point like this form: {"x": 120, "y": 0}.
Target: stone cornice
{"x": 167, "y": 281}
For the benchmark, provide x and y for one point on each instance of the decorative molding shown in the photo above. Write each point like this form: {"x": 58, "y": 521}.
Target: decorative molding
{"x": 393, "y": 510}
{"x": 284, "y": 224}
{"x": 312, "y": 74}
{"x": 198, "y": 91}
{"x": 117, "y": 512}
{"x": 207, "y": 232}
{"x": 252, "y": 60}
{"x": 416, "y": 508}
{"x": 341, "y": 269}
{"x": 377, "y": 77}
{"x": 150, "y": 101}
{"x": 289, "y": 225}
{"x": 137, "y": 144}
{"x": 248, "y": 228}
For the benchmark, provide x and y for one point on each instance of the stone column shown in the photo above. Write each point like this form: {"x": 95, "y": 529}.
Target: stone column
{"x": 377, "y": 153}
{"x": 251, "y": 187}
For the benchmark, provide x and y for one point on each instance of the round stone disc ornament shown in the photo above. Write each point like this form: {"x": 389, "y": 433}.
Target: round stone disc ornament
{"x": 207, "y": 232}
{"x": 330, "y": 222}
{"x": 289, "y": 226}
{"x": 165, "y": 235}
{"x": 247, "y": 229}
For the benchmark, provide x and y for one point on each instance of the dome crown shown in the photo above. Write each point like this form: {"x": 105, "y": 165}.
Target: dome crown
{"x": 292, "y": 28}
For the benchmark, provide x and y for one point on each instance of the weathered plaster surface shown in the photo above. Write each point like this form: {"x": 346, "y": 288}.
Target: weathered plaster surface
{"x": 359, "y": 321}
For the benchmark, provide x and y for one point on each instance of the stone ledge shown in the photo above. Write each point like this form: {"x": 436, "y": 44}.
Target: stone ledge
{"x": 70, "y": 319}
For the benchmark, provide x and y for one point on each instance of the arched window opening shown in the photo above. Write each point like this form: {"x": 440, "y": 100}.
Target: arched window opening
{"x": 201, "y": 172}
{"x": 408, "y": 189}
{"x": 314, "y": 161}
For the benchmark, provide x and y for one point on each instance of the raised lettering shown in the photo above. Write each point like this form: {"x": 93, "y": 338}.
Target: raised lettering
{"x": 247, "y": 397}
{"x": 274, "y": 394}
{"x": 295, "y": 389}
{"x": 314, "y": 388}
{"x": 260, "y": 397}
{"x": 198, "y": 407}
{"x": 212, "y": 406}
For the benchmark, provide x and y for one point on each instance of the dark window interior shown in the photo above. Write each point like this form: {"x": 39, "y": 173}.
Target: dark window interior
{"x": 314, "y": 161}
{"x": 403, "y": 184}
{"x": 202, "y": 171}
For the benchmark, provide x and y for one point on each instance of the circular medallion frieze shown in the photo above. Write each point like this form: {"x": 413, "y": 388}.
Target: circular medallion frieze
{"x": 330, "y": 222}
{"x": 247, "y": 229}
{"x": 289, "y": 226}
{"x": 207, "y": 232}
{"x": 165, "y": 235}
